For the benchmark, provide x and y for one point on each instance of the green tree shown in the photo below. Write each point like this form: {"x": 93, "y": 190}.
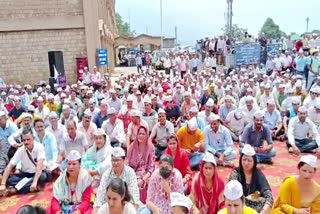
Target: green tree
{"x": 316, "y": 31}
{"x": 236, "y": 31}
{"x": 271, "y": 30}
{"x": 123, "y": 27}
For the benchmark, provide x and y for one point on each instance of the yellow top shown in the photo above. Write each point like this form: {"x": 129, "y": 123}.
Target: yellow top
{"x": 246, "y": 210}
{"x": 289, "y": 198}
{"x": 187, "y": 140}
{"x": 53, "y": 107}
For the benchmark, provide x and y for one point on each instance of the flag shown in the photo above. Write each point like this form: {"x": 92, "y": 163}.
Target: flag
{"x": 56, "y": 73}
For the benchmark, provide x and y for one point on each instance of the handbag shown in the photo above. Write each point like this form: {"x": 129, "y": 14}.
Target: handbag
{"x": 47, "y": 171}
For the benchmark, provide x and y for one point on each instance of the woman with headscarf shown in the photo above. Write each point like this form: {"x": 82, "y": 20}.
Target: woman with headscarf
{"x": 98, "y": 157}
{"x": 141, "y": 159}
{"x": 256, "y": 189}
{"x": 301, "y": 193}
{"x": 72, "y": 190}
{"x": 180, "y": 161}
{"x": 207, "y": 187}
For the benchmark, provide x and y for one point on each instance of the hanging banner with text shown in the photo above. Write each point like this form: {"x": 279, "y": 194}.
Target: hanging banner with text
{"x": 247, "y": 53}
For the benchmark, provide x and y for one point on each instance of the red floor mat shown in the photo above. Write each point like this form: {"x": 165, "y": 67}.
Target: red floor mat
{"x": 284, "y": 164}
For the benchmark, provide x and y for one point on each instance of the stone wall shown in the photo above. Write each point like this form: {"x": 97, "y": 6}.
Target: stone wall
{"x": 22, "y": 9}
{"x": 24, "y": 55}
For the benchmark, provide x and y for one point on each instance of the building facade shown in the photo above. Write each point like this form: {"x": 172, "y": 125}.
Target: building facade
{"x": 30, "y": 29}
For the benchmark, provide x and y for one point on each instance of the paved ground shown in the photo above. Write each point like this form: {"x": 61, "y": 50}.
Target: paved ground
{"x": 122, "y": 70}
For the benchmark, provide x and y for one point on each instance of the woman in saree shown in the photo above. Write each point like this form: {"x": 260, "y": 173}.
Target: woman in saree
{"x": 72, "y": 190}
{"x": 207, "y": 187}
{"x": 141, "y": 160}
{"x": 256, "y": 189}
{"x": 301, "y": 193}
{"x": 98, "y": 157}
{"x": 180, "y": 161}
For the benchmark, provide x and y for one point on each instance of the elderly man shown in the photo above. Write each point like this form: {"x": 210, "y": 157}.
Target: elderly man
{"x": 259, "y": 137}
{"x": 161, "y": 132}
{"x": 102, "y": 115}
{"x": 235, "y": 123}
{"x": 249, "y": 109}
{"x": 31, "y": 156}
{"x": 114, "y": 128}
{"x": 193, "y": 112}
{"x": 227, "y": 107}
{"x": 114, "y": 101}
{"x": 7, "y": 128}
{"x": 87, "y": 127}
{"x": 52, "y": 105}
{"x": 207, "y": 112}
{"x": 42, "y": 111}
{"x": 219, "y": 142}
{"x": 314, "y": 114}
{"x": 149, "y": 114}
{"x": 191, "y": 139}
{"x": 136, "y": 122}
{"x": 55, "y": 127}
{"x": 272, "y": 119}
{"x": 302, "y": 134}
{"x": 67, "y": 114}
{"x": 72, "y": 140}
{"x": 187, "y": 103}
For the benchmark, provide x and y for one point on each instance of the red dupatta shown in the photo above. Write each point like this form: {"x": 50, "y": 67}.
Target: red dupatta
{"x": 181, "y": 161}
{"x": 202, "y": 195}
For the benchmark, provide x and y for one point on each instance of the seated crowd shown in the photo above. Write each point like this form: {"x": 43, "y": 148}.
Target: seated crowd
{"x": 153, "y": 144}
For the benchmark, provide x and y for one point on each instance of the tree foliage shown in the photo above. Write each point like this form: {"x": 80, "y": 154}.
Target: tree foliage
{"x": 236, "y": 31}
{"x": 271, "y": 30}
{"x": 316, "y": 31}
{"x": 124, "y": 28}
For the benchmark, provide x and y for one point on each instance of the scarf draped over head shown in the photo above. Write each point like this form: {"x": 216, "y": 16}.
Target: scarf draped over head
{"x": 201, "y": 192}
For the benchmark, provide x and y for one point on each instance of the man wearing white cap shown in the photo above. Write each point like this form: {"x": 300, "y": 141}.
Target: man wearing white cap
{"x": 42, "y": 111}
{"x": 314, "y": 114}
{"x": 180, "y": 204}
{"x": 191, "y": 139}
{"x": 227, "y": 107}
{"x": 17, "y": 110}
{"x": 272, "y": 119}
{"x": 193, "y": 113}
{"x": 67, "y": 114}
{"x": 187, "y": 103}
{"x": 114, "y": 128}
{"x": 207, "y": 112}
{"x": 120, "y": 170}
{"x": 87, "y": 127}
{"x": 55, "y": 127}
{"x": 303, "y": 135}
{"x": 219, "y": 142}
{"x": 235, "y": 200}
{"x": 102, "y": 115}
{"x": 235, "y": 123}
{"x": 265, "y": 97}
{"x": 259, "y": 137}
{"x": 301, "y": 63}
{"x": 114, "y": 101}
{"x": 7, "y": 128}
{"x": 249, "y": 109}
{"x": 149, "y": 114}
{"x": 136, "y": 122}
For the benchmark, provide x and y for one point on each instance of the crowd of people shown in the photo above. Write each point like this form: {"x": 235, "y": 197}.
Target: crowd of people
{"x": 152, "y": 141}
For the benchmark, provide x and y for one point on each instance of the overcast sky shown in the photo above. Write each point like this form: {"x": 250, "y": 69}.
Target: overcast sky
{"x": 195, "y": 20}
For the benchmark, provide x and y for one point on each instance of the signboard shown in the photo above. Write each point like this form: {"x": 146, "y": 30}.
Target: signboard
{"x": 247, "y": 53}
{"x": 273, "y": 48}
{"x": 102, "y": 58}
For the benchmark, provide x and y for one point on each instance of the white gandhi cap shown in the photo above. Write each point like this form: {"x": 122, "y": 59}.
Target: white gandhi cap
{"x": 311, "y": 160}
{"x": 180, "y": 200}
{"x": 73, "y": 155}
{"x": 233, "y": 190}
{"x": 248, "y": 150}
{"x": 209, "y": 158}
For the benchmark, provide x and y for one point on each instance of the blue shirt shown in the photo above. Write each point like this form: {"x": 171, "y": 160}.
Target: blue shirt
{"x": 138, "y": 60}
{"x": 98, "y": 120}
{"x": 255, "y": 139}
{"x": 220, "y": 141}
{"x": 8, "y": 130}
{"x": 223, "y": 111}
{"x": 271, "y": 120}
{"x": 49, "y": 143}
{"x": 195, "y": 63}
{"x": 301, "y": 63}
